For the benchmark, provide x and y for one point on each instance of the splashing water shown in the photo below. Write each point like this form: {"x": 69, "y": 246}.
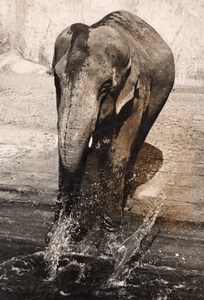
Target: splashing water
{"x": 59, "y": 244}
{"x": 62, "y": 248}
{"x": 62, "y": 245}
{"x": 131, "y": 246}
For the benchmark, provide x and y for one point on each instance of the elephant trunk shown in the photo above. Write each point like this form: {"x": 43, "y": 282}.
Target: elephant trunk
{"x": 77, "y": 118}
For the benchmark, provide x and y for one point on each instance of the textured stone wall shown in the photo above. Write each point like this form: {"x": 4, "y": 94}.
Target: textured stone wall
{"x": 31, "y": 26}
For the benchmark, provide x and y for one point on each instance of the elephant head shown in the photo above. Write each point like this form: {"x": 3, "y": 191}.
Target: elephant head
{"x": 94, "y": 77}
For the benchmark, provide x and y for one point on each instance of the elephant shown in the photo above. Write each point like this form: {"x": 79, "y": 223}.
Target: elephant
{"x": 112, "y": 80}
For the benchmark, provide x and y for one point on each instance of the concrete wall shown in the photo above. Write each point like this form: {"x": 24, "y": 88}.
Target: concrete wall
{"x": 31, "y": 26}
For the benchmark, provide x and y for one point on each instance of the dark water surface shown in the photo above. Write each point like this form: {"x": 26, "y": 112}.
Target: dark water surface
{"x": 131, "y": 270}
{"x": 25, "y": 277}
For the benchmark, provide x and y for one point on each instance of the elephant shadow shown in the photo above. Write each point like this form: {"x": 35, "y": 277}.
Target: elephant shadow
{"x": 147, "y": 163}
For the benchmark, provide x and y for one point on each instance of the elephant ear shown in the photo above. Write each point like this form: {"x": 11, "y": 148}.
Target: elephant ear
{"x": 62, "y": 45}
{"x": 132, "y": 83}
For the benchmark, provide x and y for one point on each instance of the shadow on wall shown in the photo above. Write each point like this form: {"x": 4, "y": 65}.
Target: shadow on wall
{"x": 148, "y": 163}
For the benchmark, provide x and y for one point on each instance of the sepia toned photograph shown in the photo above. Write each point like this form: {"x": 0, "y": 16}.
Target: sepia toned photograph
{"x": 101, "y": 150}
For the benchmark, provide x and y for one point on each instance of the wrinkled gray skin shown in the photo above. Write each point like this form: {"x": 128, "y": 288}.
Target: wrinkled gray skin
{"x": 112, "y": 80}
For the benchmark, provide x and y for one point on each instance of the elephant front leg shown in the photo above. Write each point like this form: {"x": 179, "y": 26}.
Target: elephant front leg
{"x": 65, "y": 199}
{"x": 112, "y": 186}
{"x": 111, "y": 181}
{"x": 113, "y": 162}
{"x": 67, "y": 193}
